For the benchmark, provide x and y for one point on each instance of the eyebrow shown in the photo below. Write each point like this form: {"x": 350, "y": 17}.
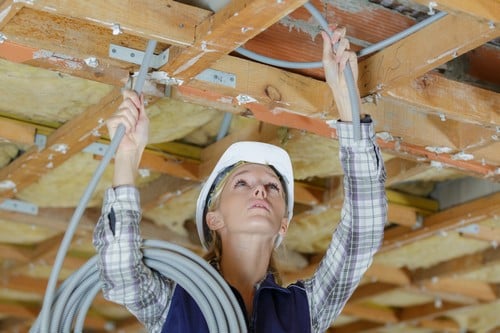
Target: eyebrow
{"x": 269, "y": 172}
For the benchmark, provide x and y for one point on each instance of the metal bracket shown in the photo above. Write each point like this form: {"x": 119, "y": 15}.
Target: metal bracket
{"x": 135, "y": 56}
{"x": 217, "y": 77}
{"x": 19, "y": 206}
{"x": 40, "y": 141}
{"x": 471, "y": 229}
{"x": 96, "y": 148}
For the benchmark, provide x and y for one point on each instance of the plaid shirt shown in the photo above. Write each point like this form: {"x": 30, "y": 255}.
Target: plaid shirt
{"x": 126, "y": 280}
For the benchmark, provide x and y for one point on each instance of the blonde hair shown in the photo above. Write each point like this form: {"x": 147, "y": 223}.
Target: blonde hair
{"x": 214, "y": 252}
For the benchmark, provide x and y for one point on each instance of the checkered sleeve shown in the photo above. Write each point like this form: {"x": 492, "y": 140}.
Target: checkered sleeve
{"x": 359, "y": 232}
{"x": 125, "y": 278}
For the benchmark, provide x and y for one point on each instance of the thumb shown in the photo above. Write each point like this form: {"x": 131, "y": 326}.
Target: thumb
{"x": 327, "y": 46}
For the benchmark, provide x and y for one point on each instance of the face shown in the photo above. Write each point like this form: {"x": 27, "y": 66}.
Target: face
{"x": 252, "y": 202}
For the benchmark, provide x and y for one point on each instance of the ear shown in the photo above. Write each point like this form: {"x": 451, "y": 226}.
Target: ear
{"x": 214, "y": 220}
{"x": 283, "y": 227}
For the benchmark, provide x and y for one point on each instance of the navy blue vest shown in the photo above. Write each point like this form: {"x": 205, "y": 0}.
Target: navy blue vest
{"x": 276, "y": 310}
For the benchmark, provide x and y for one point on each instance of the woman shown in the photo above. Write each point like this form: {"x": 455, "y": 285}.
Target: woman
{"x": 242, "y": 214}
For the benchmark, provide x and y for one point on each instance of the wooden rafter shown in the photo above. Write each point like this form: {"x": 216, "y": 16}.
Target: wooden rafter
{"x": 423, "y": 51}
{"x": 69, "y": 139}
{"x": 488, "y": 9}
{"x": 435, "y": 94}
{"x": 145, "y": 19}
{"x": 447, "y": 220}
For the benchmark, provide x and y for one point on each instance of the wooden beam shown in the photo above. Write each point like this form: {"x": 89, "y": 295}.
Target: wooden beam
{"x": 103, "y": 72}
{"x": 16, "y": 132}
{"x": 163, "y": 189}
{"x": 450, "y": 219}
{"x": 226, "y": 30}
{"x": 166, "y": 21}
{"x": 400, "y": 169}
{"x": 272, "y": 103}
{"x": 451, "y": 99}
{"x": 479, "y": 290}
{"x": 402, "y": 215}
{"x": 424, "y": 50}
{"x": 389, "y": 274}
{"x": 459, "y": 265}
{"x": 482, "y": 232}
{"x": 488, "y": 9}
{"x": 69, "y": 139}
{"x": 372, "y": 313}
{"x": 444, "y": 325}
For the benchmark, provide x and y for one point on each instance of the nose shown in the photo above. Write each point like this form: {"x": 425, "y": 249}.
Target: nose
{"x": 260, "y": 191}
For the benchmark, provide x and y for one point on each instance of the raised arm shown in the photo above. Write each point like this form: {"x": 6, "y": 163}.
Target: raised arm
{"x": 360, "y": 230}
{"x": 125, "y": 278}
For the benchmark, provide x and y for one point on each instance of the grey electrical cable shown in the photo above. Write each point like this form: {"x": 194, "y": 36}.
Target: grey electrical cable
{"x": 361, "y": 53}
{"x": 224, "y": 127}
{"x": 348, "y": 75}
{"x": 194, "y": 274}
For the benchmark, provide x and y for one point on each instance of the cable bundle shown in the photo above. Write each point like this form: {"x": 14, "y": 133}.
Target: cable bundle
{"x": 207, "y": 287}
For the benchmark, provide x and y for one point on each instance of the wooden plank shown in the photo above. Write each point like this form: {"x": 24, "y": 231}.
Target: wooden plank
{"x": 17, "y": 132}
{"x": 400, "y": 169}
{"x": 488, "y": 9}
{"x": 372, "y": 313}
{"x": 388, "y": 274}
{"x": 450, "y": 219}
{"x": 459, "y": 265}
{"x": 67, "y": 140}
{"x": 482, "y": 232}
{"x": 166, "y": 21}
{"x": 477, "y": 289}
{"x": 8, "y": 9}
{"x": 402, "y": 215}
{"x": 452, "y": 99}
{"x": 104, "y": 72}
{"x": 163, "y": 189}
{"x": 425, "y": 204}
{"x": 422, "y": 51}
{"x": 229, "y": 28}
{"x": 445, "y": 325}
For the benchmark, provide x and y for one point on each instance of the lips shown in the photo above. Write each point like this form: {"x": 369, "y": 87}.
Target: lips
{"x": 259, "y": 204}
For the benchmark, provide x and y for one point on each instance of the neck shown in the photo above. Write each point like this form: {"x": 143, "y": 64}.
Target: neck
{"x": 243, "y": 266}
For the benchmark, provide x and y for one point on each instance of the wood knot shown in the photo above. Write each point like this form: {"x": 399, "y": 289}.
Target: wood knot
{"x": 273, "y": 93}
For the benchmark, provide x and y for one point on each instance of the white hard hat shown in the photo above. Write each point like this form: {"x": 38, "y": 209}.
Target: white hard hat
{"x": 250, "y": 152}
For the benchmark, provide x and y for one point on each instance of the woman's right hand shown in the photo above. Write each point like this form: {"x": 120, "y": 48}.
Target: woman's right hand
{"x": 131, "y": 113}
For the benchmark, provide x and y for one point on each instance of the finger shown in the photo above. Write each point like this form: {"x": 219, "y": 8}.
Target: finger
{"x": 343, "y": 45}
{"x": 132, "y": 95}
{"x": 327, "y": 47}
{"x": 337, "y": 35}
{"x": 343, "y": 61}
{"x": 353, "y": 61}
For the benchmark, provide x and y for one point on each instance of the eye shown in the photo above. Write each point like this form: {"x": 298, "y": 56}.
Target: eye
{"x": 273, "y": 186}
{"x": 240, "y": 183}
